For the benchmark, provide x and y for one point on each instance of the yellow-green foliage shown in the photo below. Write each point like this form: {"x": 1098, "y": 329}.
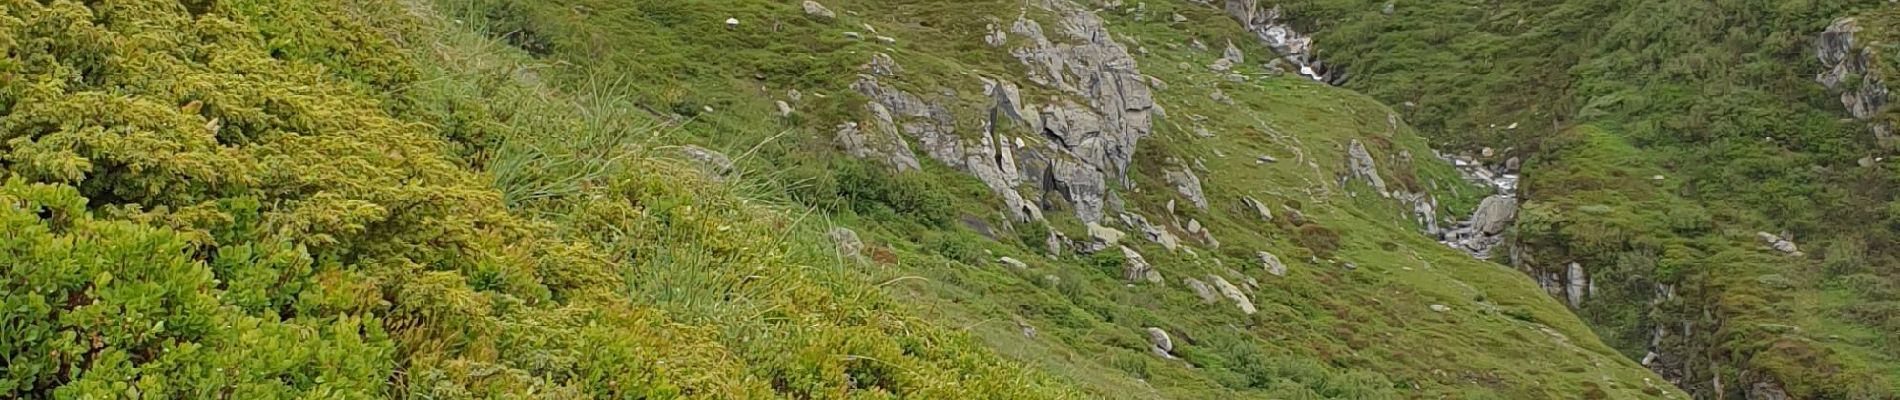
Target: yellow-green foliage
{"x": 221, "y": 199}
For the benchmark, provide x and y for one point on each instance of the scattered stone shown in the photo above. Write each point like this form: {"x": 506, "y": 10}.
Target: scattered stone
{"x": 847, "y": 240}
{"x": 815, "y": 10}
{"x": 1013, "y": 263}
{"x": 712, "y": 162}
{"x": 1178, "y": 18}
{"x": 1207, "y": 294}
{"x": 1272, "y": 263}
{"x": 887, "y": 40}
{"x": 1163, "y": 345}
{"x": 1440, "y": 308}
{"x": 732, "y": 23}
{"x": 1363, "y": 167}
{"x": 854, "y": 36}
{"x": 1137, "y": 269}
{"x": 1152, "y": 232}
{"x": 784, "y": 109}
{"x": 1780, "y": 244}
{"x": 1023, "y": 325}
{"x": 1266, "y": 159}
{"x": 1233, "y": 293}
{"x": 1221, "y": 97}
{"x": 1259, "y": 208}
{"x": 1105, "y": 234}
{"x": 1189, "y": 186}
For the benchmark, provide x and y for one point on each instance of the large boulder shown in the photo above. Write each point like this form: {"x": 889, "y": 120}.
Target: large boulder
{"x": 1495, "y": 214}
{"x": 1189, "y": 185}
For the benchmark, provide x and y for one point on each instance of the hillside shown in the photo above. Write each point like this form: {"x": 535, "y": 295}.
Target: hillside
{"x": 937, "y": 199}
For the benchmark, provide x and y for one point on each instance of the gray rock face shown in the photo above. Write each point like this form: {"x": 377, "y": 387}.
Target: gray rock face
{"x": 1189, "y": 185}
{"x": 1845, "y": 59}
{"x": 815, "y": 10}
{"x": 1082, "y": 60}
{"x": 1272, "y": 264}
{"x": 1294, "y": 47}
{"x": 1163, "y": 345}
{"x": 1233, "y": 293}
{"x": 1578, "y": 285}
{"x": 1362, "y": 166}
{"x": 1136, "y": 269}
{"x": 1207, "y": 294}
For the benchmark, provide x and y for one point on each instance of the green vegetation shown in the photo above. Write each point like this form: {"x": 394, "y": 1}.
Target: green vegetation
{"x": 1716, "y": 98}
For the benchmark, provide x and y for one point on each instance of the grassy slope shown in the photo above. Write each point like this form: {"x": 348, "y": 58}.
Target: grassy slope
{"x": 1719, "y": 98}
{"x": 273, "y": 199}
{"x": 1323, "y": 331}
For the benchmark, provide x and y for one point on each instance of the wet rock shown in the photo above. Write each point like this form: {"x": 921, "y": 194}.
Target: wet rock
{"x": 1272, "y": 30}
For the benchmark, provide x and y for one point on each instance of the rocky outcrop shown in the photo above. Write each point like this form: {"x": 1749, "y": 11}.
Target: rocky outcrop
{"x": 1268, "y": 24}
{"x": 1084, "y": 61}
{"x": 1258, "y": 208}
{"x": 1233, "y": 293}
{"x": 1136, "y": 269}
{"x": 1162, "y": 344}
{"x": 1854, "y": 69}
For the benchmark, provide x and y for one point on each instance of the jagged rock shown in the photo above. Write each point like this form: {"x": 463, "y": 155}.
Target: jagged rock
{"x": 1272, "y": 263}
{"x": 997, "y": 37}
{"x": 1054, "y": 242}
{"x": 1012, "y": 263}
{"x": 1362, "y": 166}
{"x": 815, "y": 10}
{"x": 1090, "y": 65}
{"x": 714, "y": 163}
{"x": 1082, "y": 185}
{"x": 1137, "y": 269}
{"x": 1233, "y": 293}
{"x": 883, "y": 65}
{"x": 1495, "y": 214}
{"x": 847, "y": 240}
{"x": 1258, "y": 208}
{"x": 1233, "y": 54}
{"x": 1163, "y": 345}
{"x": 1189, "y": 186}
{"x": 1207, "y": 294}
